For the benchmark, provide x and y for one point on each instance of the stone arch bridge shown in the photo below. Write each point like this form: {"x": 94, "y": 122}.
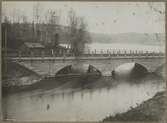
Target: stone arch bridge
{"x": 49, "y": 66}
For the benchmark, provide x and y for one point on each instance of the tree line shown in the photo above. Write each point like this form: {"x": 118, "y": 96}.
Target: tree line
{"x": 17, "y": 30}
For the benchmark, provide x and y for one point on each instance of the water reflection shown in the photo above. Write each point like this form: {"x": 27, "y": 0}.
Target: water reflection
{"x": 80, "y": 104}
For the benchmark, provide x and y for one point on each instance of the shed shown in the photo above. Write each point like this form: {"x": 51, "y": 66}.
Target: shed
{"x": 32, "y": 48}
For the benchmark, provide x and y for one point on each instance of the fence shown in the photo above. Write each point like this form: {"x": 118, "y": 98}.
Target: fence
{"x": 88, "y": 53}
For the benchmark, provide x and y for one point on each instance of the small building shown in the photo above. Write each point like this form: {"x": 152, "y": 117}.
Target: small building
{"x": 38, "y": 49}
{"x": 32, "y": 49}
{"x": 65, "y": 45}
{"x": 56, "y": 50}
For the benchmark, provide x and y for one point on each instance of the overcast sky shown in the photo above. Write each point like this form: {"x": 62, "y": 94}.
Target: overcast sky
{"x": 102, "y": 17}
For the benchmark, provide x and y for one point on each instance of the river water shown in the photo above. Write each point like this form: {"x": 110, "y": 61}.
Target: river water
{"x": 76, "y": 104}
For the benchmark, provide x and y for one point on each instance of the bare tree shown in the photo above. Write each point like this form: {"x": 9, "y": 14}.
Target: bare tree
{"x": 24, "y": 19}
{"x": 37, "y": 11}
{"x": 18, "y": 16}
{"x": 78, "y": 33}
{"x": 53, "y": 17}
{"x": 52, "y": 20}
{"x": 13, "y": 15}
{"x": 4, "y": 15}
{"x": 6, "y": 19}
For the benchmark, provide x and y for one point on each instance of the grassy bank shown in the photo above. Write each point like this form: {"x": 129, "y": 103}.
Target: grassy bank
{"x": 150, "y": 110}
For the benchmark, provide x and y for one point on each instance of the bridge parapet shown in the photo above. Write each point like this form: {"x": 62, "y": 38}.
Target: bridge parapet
{"x": 89, "y": 53}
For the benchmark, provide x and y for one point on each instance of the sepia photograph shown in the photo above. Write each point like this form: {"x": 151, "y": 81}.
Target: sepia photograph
{"x": 83, "y": 61}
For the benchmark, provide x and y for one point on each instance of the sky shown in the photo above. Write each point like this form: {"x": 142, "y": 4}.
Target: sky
{"x": 102, "y": 17}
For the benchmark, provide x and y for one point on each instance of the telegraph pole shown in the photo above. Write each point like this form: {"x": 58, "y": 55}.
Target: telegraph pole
{"x": 5, "y": 53}
{"x": 1, "y": 115}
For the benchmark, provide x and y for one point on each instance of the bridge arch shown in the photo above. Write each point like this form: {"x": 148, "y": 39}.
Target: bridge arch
{"x": 130, "y": 64}
{"x": 64, "y": 70}
{"x": 131, "y": 70}
{"x": 78, "y": 70}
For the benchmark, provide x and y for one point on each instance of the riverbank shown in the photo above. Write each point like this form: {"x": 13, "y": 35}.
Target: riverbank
{"x": 150, "y": 110}
{"x": 16, "y": 77}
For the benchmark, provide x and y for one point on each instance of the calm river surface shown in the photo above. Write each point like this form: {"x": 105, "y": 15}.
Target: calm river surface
{"x": 77, "y": 104}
